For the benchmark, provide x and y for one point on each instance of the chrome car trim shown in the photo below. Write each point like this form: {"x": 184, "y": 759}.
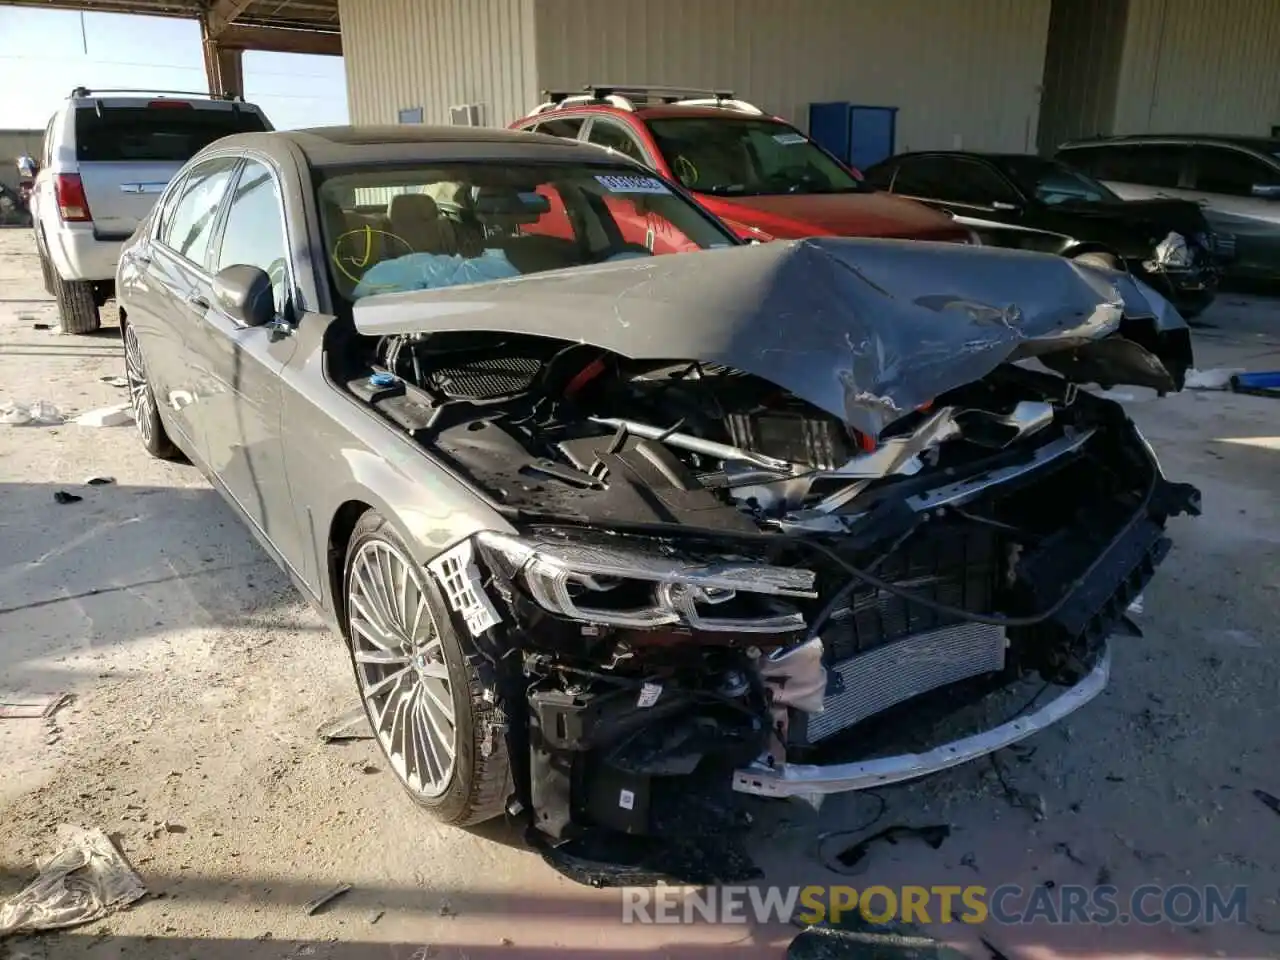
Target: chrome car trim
{"x": 804, "y": 780}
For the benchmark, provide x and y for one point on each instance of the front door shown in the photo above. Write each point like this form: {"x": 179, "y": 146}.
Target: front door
{"x": 241, "y": 425}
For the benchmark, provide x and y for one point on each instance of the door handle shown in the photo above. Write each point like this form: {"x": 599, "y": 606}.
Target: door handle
{"x": 197, "y": 302}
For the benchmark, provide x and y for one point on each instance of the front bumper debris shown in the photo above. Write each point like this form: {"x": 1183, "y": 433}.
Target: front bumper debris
{"x": 802, "y": 780}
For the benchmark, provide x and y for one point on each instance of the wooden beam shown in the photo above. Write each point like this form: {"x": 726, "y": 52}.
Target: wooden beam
{"x": 241, "y": 37}
{"x": 223, "y": 13}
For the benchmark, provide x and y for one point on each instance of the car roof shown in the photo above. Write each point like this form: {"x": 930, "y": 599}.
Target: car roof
{"x": 350, "y": 145}
{"x": 1264, "y": 144}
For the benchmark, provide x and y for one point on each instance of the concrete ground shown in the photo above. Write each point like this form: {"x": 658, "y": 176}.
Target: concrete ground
{"x": 199, "y": 680}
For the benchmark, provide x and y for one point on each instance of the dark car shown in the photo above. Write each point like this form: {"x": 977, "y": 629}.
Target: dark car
{"x": 1025, "y": 201}
{"x": 1235, "y": 180}
{"x": 611, "y": 536}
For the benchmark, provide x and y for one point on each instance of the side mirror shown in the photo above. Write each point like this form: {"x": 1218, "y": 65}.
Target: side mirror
{"x": 1267, "y": 191}
{"x": 244, "y": 294}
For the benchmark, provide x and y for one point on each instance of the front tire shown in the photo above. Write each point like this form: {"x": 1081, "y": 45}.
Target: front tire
{"x": 424, "y": 702}
{"x": 146, "y": 413}
{"x": 77, "y": 309}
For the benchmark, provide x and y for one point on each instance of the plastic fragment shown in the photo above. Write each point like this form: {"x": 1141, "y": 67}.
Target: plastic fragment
{"x": 99, "y": 481}
{"x": 1216, "y": 379}
{"x": 36, "y": 413}
{"x": 115, "y": 416}
{"x": 327, "y": 897}
{"x": 115, "y": 381}
{"x": 62, "y": 496}
{"x": 85, "y": 881}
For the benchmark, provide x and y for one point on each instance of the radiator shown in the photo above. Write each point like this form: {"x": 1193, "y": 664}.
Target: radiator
{"x": 905, "y": 668}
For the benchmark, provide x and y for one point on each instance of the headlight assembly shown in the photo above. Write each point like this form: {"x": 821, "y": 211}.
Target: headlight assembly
{"x": 630, "y": 586}
{"x": 1173, "y": 251}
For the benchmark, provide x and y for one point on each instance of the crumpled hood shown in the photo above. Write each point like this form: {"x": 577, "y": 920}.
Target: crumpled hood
{"x": 867, "y": 330}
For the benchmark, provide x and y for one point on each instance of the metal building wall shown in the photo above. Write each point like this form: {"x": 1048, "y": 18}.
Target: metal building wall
{"x": 433, "y": 54}
{"x": 1082, "y": 69}
{"x": 1195, "y": 66}
{"x": 962, "y": 72}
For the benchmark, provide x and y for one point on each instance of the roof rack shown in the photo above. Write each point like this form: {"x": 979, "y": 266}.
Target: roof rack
{"x": 625, "y": 96}
{"x": 98, "y": 92}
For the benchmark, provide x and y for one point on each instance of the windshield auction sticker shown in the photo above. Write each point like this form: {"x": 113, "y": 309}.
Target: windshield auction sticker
{"x": 629, "y": 183}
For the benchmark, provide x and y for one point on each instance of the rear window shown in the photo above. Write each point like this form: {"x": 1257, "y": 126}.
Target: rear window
{"x": 155, "y": 134}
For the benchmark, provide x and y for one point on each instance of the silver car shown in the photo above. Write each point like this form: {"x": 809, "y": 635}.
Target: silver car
{"x": 1235, "y": 179}
{"x": 613, "y": 535}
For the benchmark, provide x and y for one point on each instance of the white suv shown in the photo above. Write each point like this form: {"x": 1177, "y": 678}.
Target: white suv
{"x": 107, "y": 156}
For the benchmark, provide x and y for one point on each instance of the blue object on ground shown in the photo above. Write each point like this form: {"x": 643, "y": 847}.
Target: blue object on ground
{"x": 1264, "y": 384}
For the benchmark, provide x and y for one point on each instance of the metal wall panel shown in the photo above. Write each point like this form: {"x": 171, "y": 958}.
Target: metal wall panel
{"x": 1193, "y": 66}
{"x": 1082, "y": 69}
{"x": 962, "y": 72}
{"x": 401, "y": 54}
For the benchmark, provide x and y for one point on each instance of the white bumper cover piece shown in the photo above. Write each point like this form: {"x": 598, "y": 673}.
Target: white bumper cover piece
{"x": 801, "y": 780}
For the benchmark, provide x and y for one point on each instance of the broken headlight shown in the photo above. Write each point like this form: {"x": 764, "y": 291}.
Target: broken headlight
{"x": 628, "y": 586}
{"x": 1173, "y": 251}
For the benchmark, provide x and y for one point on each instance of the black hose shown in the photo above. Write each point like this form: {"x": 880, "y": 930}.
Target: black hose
{"x": 842, "y": 594}
{"x": 991, "y": 619}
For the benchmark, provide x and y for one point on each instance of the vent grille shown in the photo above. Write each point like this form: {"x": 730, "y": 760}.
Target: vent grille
{"x": 898, "y": 671}
{"x": 481, "y": 379}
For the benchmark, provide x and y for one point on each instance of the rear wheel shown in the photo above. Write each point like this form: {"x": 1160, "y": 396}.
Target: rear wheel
{"x": 145, "y": 412}
{"x": 77, "y": 308}
{"x": 422, "y": 697}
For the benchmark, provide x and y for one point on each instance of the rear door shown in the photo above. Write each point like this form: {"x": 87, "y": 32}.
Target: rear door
{"x": 128, "y": 149}
{"x": 180, "y": 292}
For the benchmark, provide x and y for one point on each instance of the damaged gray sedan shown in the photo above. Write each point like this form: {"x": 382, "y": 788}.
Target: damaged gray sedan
{"x": 612, "y": 535}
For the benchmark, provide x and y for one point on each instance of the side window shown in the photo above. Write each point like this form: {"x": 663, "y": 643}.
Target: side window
{"x": 189, "y": 227}
{"x": 977, "y": 184}
{"x": 47, "y": 161}
{"x": 164, "y": 207}
{"x": 1149, "y": 164}
{"x": 1233, "y": 172}
{"x": 924, "y": 177}
{"x": 606, "y": 133}
{"x": 254, "y": 233}
{"x": 567, "y": 127}
{"x": 881, "y": 176}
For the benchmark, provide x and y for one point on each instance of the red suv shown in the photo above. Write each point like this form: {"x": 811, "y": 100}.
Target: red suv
{"x": 757, "y": 173}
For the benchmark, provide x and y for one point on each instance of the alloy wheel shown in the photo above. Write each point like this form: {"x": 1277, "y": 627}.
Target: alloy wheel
{"x": 140, "y": 395}
{"x": 400, "y": 666}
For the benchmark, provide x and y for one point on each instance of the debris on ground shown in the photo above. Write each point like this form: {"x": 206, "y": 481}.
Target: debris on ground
{"x": 313, "y": 906}
{"x": 99, "y": 481}
{"x": 38, "y": 413}
{"x": 31, "y": 706}
{"x": 855, "y": 938}
{"x": 933, "y": 834}
{"x": 446, "y": 909}
{"x": 351, "y": 724}
{"x": 376, "y": 916}
{"x": 42, "y": 326}
{"x": 115, "y": 381}
{"x": 1270, "y": 800}
{"x": 86, "y": 880}
{"x": 1260, "y": 384}
{"x": 61, "y": 496}
{"x": 115, "y": 416}
{"x": 1216, "y": 379}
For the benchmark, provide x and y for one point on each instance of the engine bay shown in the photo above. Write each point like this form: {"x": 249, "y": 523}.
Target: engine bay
{"x": 712, "y": 573}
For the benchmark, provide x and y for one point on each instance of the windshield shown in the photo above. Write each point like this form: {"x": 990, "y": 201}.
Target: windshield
{"x": 733, "y": 156}
{"x": 394, "y": 229}
{"x": 1051, "y": 182}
